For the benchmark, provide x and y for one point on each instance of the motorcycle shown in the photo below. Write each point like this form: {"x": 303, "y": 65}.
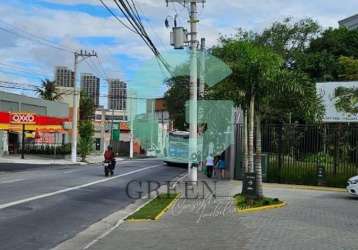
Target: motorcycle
{"x": 108, "y": 168}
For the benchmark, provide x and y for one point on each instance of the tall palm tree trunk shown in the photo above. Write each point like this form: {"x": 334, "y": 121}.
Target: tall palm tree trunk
{"x": 251, "y": 135}
{"x": 258, "y": 165}
{"x": 245, "y": 146}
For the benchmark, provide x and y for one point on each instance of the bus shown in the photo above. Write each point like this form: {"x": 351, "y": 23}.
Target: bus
{"x": 176, "y": 150}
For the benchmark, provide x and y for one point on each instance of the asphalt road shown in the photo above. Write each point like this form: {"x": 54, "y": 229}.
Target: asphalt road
{"x": 40, "y": 208}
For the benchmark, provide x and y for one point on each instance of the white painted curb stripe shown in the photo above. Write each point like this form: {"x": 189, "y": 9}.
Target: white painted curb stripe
{"x": 14, "y": 203}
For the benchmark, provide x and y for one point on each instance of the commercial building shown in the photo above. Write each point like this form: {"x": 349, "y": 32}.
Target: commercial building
{"x": 45, "y": 122}
{"x": 117, "y": 94}
{"x": 158, "y": 108}
{"x": 350, "y": 22}
{"x": 90, "y": 85}
{"x": 115, "y": 121}
{"x": 64, "y": 77}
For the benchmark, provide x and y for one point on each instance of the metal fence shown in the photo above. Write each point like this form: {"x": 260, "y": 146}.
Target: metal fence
{"x": 310, "y": 154}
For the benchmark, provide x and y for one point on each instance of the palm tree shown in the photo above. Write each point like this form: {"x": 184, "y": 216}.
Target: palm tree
{"x": 346, "y": 100}
{"x": 49, "y": 91}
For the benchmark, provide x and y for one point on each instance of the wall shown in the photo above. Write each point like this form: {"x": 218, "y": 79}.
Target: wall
{"x": 10, "y": 102}
{"x": 3, "y": 143}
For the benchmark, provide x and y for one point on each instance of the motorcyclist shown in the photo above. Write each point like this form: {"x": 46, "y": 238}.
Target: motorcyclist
{"x": 109, "y": 157}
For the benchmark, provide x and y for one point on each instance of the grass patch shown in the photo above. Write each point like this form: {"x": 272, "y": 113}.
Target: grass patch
{"x": 242, "y": 202}
{"x": 151, "y": 210}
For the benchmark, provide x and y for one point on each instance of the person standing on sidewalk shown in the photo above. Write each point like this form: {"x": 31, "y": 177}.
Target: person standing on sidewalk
{"x": 209, "y": 165}
{"x": 221, "y": 167}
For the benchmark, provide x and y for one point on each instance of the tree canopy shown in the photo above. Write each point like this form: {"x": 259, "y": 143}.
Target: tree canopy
{"x": 49, "y": 91}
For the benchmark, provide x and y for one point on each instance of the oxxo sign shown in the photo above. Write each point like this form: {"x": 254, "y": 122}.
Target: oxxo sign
{"x": 22, "y": 118}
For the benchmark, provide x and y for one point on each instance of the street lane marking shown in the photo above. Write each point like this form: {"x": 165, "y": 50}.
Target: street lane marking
{"x": 71, "y": 171}
{"x": 11, "y": 181}
{"x": 14, "y": 203}
{"x": 95, "y": 166}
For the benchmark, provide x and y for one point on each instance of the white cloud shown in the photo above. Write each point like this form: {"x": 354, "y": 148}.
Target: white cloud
{"x": 218, "y": 16}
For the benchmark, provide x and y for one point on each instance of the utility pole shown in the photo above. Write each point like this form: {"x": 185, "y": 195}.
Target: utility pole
{"x": 193, "y": 110}
{"x": 78, "y": 55}
{"x": 103, "y": 131}
{"x": 202, "y": 94}
{"x": 112, "y": 120}
{"x": 132, "y": 112}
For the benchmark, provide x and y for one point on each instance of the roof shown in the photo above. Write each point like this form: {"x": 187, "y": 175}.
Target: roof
{"x": 348, "y": 19}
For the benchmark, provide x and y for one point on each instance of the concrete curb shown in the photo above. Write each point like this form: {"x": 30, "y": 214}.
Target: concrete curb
{"x": 99, "y": 230}
{"x": 300, "y": 187}
{"x": 303, "y": 187}
{"x": 257, "y": 209}
{"x": 160, "y": 215}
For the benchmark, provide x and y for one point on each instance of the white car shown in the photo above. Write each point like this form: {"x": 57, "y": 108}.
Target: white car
{"x": 352, "y": 185}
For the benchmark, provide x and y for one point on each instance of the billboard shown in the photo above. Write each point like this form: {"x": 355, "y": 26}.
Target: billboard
{"x": 326, "y": 90}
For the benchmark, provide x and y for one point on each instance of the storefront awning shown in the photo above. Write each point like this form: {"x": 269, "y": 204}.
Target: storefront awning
{"x": 38, "y": 123}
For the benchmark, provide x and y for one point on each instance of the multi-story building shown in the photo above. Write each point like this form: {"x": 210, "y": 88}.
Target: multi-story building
{"x": 64, "y": 77}
{"x": 117, "y": 94}
{"x": 350, "y": 23}
{"x": 90, "y": 85}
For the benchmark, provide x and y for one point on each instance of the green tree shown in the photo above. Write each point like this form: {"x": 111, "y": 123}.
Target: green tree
{"x": 254, "y": 68}
{"x": 320, "y": 59}
{"x": 49, "y": 91}
{"x": 86, "y": 131}
{"x": 87, "y": 107}
{"x": 85, "y": 128}
{"x": 349, "y": 68}
{"x": 176, "y": 97}
{"x": 289, "y": 38}
{"x": 264, "y": 87}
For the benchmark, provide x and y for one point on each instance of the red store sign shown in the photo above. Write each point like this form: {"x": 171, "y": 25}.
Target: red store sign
{"x": 22, "y": 118}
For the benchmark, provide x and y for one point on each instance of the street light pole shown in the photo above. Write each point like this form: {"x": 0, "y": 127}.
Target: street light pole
{"x": 84, "y": 55}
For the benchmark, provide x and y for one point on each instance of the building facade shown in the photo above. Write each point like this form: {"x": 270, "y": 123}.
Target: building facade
{"x": 44, "y": 122}
{"x": 117, "y": 94}
{"x": 350, "y": 23}
{"x": 90, "y": 85}
{"x": 111, "y": 127}
{"x": 64, "y": 77}
{"x": 157, "y": 108}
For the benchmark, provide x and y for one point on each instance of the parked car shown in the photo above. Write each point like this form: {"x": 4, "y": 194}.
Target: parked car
{"x": 352, "y": 185}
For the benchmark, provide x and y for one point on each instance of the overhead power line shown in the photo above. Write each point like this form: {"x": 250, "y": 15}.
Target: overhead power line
{"x": 30, "y": 36}
{"x": 132, "y": 15}
{"x": 116, "y": 17}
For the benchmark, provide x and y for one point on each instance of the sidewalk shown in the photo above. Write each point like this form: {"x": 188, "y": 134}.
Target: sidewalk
{"x": 43, "y": 161}
{"x": 312, "y": 220}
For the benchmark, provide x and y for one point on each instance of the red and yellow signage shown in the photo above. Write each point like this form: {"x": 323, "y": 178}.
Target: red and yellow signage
{"x": 22, "y": 118}
{"x": 13, "y": 121}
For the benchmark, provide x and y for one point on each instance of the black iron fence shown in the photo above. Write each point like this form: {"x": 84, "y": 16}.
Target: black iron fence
{"x": 310, "y": 154}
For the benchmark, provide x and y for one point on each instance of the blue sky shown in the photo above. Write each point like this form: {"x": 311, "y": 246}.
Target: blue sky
{"x": 85, "y": 24}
